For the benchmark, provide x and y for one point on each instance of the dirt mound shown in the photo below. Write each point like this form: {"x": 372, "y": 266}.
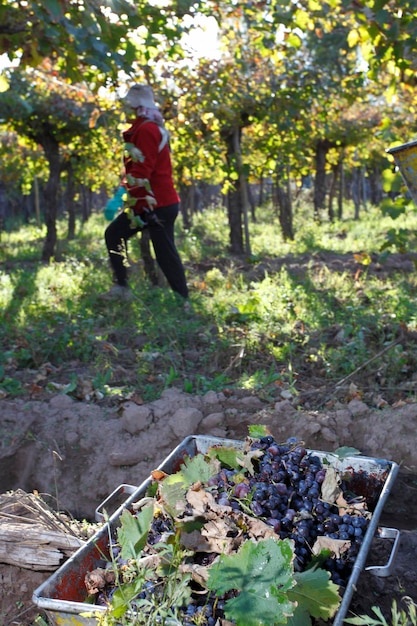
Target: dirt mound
{"x": 76, "y": 454}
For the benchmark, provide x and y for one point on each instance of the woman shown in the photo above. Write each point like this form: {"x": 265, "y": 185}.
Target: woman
{"x": 152, "y": 200}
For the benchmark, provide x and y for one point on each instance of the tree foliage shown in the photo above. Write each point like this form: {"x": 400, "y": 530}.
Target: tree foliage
{"x": 87, "y": 39}
{"x": 60, "y": 117}
{"x": 298, "y": 89}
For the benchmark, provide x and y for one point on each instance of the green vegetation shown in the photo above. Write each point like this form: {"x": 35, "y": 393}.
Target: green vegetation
{"x": 399, "y": 616}
{"x": 319, "y": 307}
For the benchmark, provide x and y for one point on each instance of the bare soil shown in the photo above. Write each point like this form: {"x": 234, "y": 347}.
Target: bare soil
{"x": 77, "y": 453}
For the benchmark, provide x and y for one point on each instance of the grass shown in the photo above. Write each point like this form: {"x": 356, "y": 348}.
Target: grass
{"x": 279, "y": 319}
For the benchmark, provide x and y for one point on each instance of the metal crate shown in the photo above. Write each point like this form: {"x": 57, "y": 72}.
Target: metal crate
{"x": 405, "y": 158}
{"x": 62, "y": 596}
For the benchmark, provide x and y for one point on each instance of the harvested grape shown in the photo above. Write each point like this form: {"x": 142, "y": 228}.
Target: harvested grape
{"x": 276, "y": 489}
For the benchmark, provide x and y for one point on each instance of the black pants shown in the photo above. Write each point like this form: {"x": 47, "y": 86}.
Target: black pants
{"x": 162, "y": 236}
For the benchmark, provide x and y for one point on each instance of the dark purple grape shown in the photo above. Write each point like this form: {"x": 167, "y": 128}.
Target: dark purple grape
{"x": 267, "y": 441}
{"x": 241, "y": 490}
{"x": 329, "y": 527}
{"x": 320, "y": 476}
{"x": 273, "y": 449}
{"x": 292, "y": 441}
{"x": 303, "y": 531}
{"x": 257, "y": 508}
{"x": 281, "y": 489}
{"x": 307, "y": 505}
{"x": 290, "y": 514}
{"x": 276, "y": 524}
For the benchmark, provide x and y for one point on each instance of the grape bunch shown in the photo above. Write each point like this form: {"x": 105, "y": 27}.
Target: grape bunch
{"x": 285, "y": 492}
{"x": 284, "y": 489}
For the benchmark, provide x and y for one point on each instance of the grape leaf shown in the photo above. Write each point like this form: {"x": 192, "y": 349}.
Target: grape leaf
{"x": 174, "y": 486}
{"x": 301, "y": 617}
{"x": 251, "y": 609}
{"x": 263, "y": 573}
{"x": 133, "y": 532}
{"x": 346, "y": 451}
{"x": 227, "y": 456}
{"x": 246, "y": 461}
{"x": 173, "y": 496}
{"x": 193, "y": 470}
{"x": 315, "y": 593}
{"x": 198, "y": 469}
{"x": 258, "y": 430}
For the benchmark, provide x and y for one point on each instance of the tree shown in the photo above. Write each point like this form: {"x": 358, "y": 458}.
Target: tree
{"x": 50, "y": 112}
{"x": 88, "y": 40}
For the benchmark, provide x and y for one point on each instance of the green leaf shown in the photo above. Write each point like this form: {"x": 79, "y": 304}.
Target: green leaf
{"x": 174, "y": 486}
{"x": 133, "y": 532}
{"x": 123, "y": 596}
{"x": 301, "y": 617}
{"x": 258, "y": 430}
{"x": 293, "y": 40}
{"x": 263, "y": 573}
{"x": 316, "y": 593}
{"x": 392, "y": 181}
{"x": 227, "y": 456}
{"x": 54, "y": 8}
{"x": 367, "y": 620}
{"x": 71, "y": 386}
{"x": 197, "y": 469}
{"x": 250, "y": 609}
{"x": 173, "y": 494}
{"x": 345, "y": 451}
{"x": 4, "y": 83}
{"x": 394, "y": 208}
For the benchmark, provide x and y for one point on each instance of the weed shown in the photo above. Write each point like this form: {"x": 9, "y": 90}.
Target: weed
{"x": 282, "y": 314}
{"x": 11, "y": 387}
{"x": 399, "y": 617}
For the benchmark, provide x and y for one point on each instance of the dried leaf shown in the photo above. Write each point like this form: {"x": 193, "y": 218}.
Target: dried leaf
{"x": 97, "y": 579}
{"x": 201, "y": 501}
{"x": 330, "y": 490}
{"x": 199, "y": 573}
{"x": 336, "y": 546}
{"x": 246, "y": 461}
{"x": 158, "y": 475}
{"x": 198, "y": 542}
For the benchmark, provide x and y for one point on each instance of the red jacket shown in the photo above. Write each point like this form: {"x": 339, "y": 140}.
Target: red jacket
{"x": 146, "y": 161}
